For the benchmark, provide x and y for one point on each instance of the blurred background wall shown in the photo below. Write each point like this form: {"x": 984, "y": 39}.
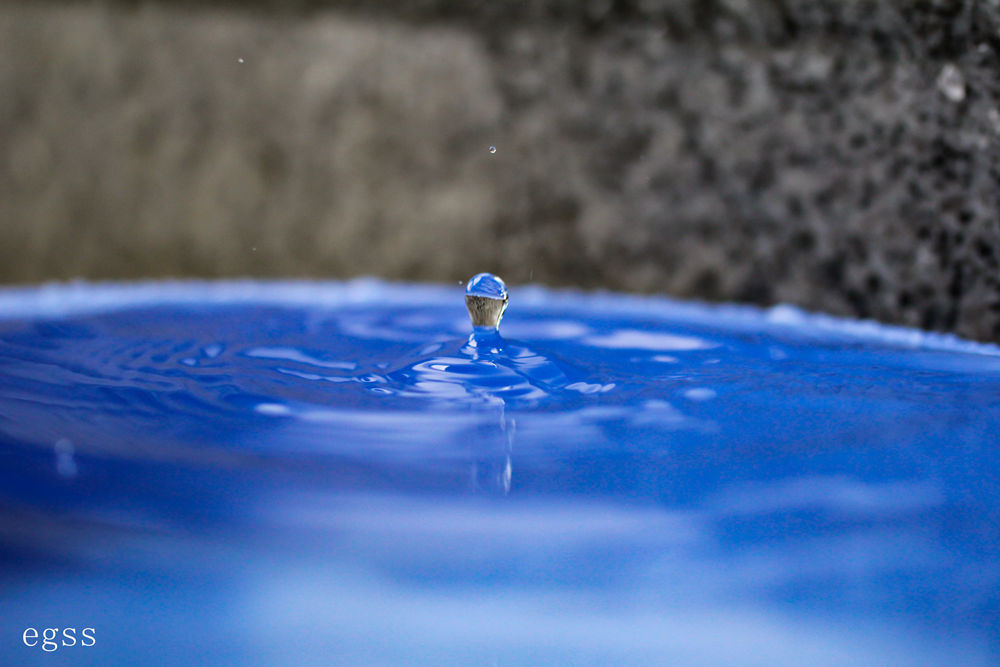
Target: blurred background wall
{"x": 836, "y": 154}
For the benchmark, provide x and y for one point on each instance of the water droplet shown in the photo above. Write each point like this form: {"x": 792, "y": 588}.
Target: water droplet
{"x": 493, "y": 149}
{"x": 486, "y": 285}
{"x": 239, "y": 60}
{"x": 486, "y": 299}
{"x": 951, "y": 83}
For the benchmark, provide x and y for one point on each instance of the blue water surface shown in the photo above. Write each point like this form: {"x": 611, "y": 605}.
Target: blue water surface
{"x": 317, "y": 474}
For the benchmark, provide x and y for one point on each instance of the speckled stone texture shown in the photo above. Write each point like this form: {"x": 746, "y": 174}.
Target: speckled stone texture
{"x": 838, "y": 155}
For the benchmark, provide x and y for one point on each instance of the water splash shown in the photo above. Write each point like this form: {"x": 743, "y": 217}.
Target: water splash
{"x": 824, "y": 484}
{"x": 485, "y": 367}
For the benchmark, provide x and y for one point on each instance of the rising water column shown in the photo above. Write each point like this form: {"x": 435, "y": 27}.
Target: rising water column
{"x": 486, "y": 300}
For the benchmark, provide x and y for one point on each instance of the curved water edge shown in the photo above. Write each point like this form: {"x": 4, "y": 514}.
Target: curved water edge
{"x": 56, "y": 300}
{"x": 646, "y": 477}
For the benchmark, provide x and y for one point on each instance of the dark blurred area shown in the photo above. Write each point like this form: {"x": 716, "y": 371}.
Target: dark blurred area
{"x": 842, "y": 156}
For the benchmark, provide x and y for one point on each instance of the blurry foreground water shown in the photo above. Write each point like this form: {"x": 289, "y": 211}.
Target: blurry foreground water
{"x": 269, "y": 473}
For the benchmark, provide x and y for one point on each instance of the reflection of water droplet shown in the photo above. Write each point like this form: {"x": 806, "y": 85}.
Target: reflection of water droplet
{"x": 505, "y": 476}
{"x": 65, "y": 463}
{"x": 239, "y": 60}
{"x": 951, "y": 83}
{"x": 493, "y": 149}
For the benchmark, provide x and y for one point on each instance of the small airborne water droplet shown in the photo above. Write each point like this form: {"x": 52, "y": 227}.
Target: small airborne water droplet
{"x": 493, "y": 149}
{"x": 951, "y": 83}
{"x": 239, "y": 60}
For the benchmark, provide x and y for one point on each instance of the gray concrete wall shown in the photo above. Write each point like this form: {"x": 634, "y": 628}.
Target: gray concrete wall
{"x": 839, "y": 155}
